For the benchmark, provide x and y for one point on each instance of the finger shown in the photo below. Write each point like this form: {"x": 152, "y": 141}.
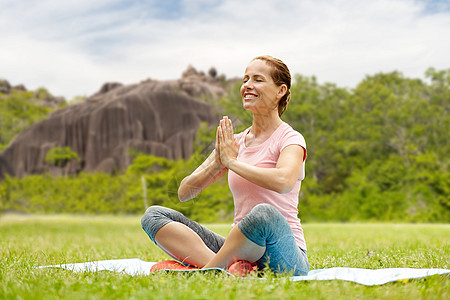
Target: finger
{"x": 220, "y": 134}
{"x": 224, "y": 123}
{"x": 217, "y": 137}
{"x": 217, "y": 146}
{"x": 225, "y": 128}
{"x": 229, "y": 129}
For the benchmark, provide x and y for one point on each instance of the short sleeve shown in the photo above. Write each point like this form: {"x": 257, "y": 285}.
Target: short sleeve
{"x": 292, "y": 137}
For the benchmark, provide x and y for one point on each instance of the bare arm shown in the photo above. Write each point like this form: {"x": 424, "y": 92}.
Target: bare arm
{"x": 208, "y": 172}
{"x": 281, "y": 178}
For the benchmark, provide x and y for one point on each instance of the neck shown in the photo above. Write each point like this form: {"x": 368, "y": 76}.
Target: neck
{"x": 265, "y": 123}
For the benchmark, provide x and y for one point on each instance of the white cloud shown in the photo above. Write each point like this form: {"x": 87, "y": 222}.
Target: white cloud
{"x": 72, "y": 47}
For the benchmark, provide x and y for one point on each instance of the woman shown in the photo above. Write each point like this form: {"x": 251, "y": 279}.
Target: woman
{"x": 265, "y": 165}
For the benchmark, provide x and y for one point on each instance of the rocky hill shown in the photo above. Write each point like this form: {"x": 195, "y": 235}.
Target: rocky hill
{"x": 154, "y": 117}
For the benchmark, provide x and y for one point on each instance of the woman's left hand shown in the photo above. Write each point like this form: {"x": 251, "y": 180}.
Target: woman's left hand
{"x": 228, "y": 147}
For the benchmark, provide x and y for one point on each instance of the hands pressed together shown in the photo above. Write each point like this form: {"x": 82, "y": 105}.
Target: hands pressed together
{"x": 226, "y": 146}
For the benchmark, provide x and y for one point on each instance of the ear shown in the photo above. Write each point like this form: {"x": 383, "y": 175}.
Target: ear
{"x": 282, "y": 90}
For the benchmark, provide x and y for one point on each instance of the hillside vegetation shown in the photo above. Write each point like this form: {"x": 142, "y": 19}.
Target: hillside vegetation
{"x": 19, "y": 109}
{"x": 377, "y": 152}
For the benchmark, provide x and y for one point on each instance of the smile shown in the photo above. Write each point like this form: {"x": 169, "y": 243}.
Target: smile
{"x": 250, "y": 96}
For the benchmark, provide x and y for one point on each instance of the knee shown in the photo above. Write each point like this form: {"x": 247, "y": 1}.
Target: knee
{"x": 151, "y": 214}
{"x": 261, "y": 217}
{"x": 265, "y": 212}
{"x": 154, "y": 209}
{"x": 154, "y": 218}
{"x": 260, "y": 223}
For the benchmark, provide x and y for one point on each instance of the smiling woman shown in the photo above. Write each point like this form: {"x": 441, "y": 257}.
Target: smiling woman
{"x": 259, "y": 93}
{"x": 279, "y": 74}
{"x": 265, "y": 165}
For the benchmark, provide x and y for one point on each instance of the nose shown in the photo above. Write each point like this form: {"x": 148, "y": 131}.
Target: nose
{"x": 247, "y": 84}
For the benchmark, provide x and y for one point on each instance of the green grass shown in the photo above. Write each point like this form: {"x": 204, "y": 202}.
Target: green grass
{"x": 30, "y": 241}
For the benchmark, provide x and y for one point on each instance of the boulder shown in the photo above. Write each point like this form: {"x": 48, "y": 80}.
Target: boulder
{"x": 5, "y": 87}
{"x": 159, "y": 118}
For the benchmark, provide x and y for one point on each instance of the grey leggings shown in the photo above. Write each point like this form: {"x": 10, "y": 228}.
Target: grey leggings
{"x": 157, "y": 216}
{"x": 264, "y": 225}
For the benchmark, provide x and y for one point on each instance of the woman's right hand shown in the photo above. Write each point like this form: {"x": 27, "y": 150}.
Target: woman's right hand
{"x": 227, "y": 145}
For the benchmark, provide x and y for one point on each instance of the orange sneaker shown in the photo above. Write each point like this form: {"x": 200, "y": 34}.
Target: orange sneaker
{"x": 170, "y": 265}
{"x": 242, "y": 268}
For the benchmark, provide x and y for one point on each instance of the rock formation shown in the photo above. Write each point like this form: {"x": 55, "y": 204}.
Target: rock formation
{"x": 5, "y": 87}
{"x": 154, "y": 117}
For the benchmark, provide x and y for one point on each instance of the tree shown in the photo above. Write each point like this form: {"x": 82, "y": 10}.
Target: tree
{"x": 18, "y": 110}
{"x": 61, "y": 157}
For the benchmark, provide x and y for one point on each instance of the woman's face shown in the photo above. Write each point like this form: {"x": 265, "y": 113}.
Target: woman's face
{"x": 258, "y": 91}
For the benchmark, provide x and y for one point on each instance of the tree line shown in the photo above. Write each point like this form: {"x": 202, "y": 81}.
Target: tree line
{"x": 377, "y": 152}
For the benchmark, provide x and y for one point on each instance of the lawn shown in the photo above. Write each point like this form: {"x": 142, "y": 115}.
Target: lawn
{"x": 30, "y": 241}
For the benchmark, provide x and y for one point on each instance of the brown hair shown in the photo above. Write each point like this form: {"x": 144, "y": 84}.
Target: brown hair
{"x": 280, "y": 75}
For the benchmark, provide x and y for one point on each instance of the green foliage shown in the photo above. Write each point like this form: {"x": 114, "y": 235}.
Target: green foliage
{"x": 18, "y": 110}
{"x": 42, "y": 93}
{"x": 118, "y": 194}
{"x": 377, "y": 152}
{"x": 60, "y": 156}
{"x": 86, "y": 193}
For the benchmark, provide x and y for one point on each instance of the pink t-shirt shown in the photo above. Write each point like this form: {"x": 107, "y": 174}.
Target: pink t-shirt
{"x": 247, "y": 194}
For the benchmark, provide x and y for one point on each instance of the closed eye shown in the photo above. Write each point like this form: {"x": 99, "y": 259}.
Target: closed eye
{"x": 256, "y": 79}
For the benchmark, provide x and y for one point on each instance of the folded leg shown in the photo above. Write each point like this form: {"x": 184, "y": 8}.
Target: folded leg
{"x": 181, "y": 238}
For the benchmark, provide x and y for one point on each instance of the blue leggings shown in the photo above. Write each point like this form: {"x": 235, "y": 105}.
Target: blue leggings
{"x": 264, "y": 225}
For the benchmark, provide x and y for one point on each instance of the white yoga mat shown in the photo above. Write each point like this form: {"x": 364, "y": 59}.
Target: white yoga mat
{"x": 135, "y": 266}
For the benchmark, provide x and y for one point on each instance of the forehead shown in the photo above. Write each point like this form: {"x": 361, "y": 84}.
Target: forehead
{"x": 258, "y": 67}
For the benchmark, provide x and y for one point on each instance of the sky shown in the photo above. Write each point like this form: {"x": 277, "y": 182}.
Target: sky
{"x": 72, "y": 47}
